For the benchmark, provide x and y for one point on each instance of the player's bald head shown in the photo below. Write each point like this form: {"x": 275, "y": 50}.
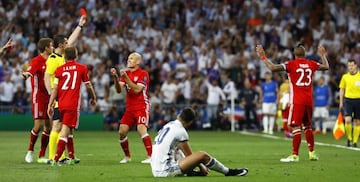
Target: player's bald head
{"x": 137, "y": 57}
{"x": 299, "y": 51}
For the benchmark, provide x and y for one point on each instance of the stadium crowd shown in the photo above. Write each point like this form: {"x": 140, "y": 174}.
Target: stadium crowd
{"x": 191, "y": 49}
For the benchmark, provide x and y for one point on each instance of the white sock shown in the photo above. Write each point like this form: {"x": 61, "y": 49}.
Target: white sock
{"x": 217, "y": 166}
{"x": 266, "y": 123}
{"x": 317, "y": 125}
{"x": 271, "y": 123}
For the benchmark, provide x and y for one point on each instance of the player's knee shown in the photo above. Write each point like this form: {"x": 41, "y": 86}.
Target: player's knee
{"x": 56, "y": 127}
{"x": 204, "y": 155}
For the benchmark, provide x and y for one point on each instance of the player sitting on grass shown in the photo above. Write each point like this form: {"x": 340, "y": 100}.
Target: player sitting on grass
{"x": 167, "y": 160}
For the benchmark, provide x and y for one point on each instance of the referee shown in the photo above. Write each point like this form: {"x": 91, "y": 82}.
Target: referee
{"x": 350, "y": 102}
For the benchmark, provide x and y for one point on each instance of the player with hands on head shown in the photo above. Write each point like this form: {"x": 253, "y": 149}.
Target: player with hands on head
{"x": 135, "y": 81}
{"x": 67, "y": 83}
{"x": 172, "y": 154}
{"x": 300, "y": 72}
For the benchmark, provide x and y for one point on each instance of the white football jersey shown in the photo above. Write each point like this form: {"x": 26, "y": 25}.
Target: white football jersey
{"x": 165, "y": 144}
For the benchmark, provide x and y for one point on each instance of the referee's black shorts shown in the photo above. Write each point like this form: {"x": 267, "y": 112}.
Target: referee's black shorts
{"x": 56, "y": 115}
{"x": 352, "y": 108}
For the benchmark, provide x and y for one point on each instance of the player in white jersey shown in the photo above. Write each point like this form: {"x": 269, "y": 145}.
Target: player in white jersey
{"x": 172, "y": 139}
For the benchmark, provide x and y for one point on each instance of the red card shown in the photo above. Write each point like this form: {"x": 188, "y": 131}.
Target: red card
{"x": 83, "y": 12}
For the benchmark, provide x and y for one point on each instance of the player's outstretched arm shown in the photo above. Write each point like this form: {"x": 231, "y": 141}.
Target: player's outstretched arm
{"x": 324, "y": 62}
{"x": 273, "y": 67}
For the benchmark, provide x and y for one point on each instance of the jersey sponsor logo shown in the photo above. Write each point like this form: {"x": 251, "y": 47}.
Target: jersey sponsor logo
{"x": 136, "y": 78}
{"x": 357, "y": 83}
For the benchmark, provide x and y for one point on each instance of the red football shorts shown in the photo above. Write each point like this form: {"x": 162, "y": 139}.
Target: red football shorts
{"x": 300, "y": 115}
{"x": 138, "y": 117}
{"x": 69, "y": 118}
{"x": 39, "y": 109}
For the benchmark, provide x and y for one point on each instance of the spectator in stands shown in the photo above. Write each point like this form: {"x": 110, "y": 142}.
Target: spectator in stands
{"x": 169, "y": 92}
{"x": 249, "y": 101}
{"x": 7, "y": 91}
{"x": 6, "y": 46}
{"x": 101, "y": 85}
{"x": 215, "y": 96}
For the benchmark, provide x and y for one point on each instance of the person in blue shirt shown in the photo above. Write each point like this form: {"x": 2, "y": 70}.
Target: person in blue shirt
{"x": 322, "y": 101}
{"x": 269, "y": 90}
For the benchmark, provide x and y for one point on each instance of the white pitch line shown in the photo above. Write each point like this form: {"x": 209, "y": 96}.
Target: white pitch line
{"x": 304, "y": 141}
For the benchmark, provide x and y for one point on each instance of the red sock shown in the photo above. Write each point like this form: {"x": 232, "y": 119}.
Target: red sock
{"x": 60, "y": 148}
{"x": 70, "y": 147}
{"x": 285, "y": 127}
{"x": 309, "y": 135}
{"x": 125, "y": 146}
{"x": 33, "y": 138}
{"x": 296, "y": 141}
{"x": 44, "y": 143}
{"x": 147, "y": 143}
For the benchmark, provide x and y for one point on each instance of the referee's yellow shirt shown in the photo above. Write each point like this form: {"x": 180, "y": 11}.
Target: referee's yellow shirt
{"x": 52, "y": 63}
{"x": 351, "y": 84}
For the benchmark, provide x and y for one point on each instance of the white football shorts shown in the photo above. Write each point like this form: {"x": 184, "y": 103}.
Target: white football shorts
{"x": 269, "y": 108}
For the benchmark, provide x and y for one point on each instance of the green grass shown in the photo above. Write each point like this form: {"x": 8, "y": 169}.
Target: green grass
{"x": 100, "y": 154}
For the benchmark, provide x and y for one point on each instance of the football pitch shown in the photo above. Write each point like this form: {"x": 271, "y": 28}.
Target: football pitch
{"x": 100, "y": 154}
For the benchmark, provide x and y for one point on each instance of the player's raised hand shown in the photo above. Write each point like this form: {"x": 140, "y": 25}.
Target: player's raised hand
{"x": 82, "y": 20}
{"x": 260, "y": 50}
{"x": 321, "y": 50}
{"x": 113, "y": 72}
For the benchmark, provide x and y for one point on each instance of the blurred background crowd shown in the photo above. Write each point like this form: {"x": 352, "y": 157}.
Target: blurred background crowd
{"x": 189, "y": 47}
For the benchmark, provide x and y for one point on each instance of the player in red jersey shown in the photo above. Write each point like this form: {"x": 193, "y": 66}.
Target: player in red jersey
{"x": 136, "y": 81}
{"x": 300, "y": 73}
{"x": 67, "y": 83}
{"x": 39, "y": 98}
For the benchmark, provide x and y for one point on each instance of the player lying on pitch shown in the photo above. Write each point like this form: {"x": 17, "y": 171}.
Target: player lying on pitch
{"x": 172, "y": 155}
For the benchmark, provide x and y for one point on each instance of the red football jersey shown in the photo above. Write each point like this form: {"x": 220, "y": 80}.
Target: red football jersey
{"x": 300, "y": 72}
{"x": 37, "y": 68}
{"x": 70, "y": 76}
{"x": 137, "y": 101}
